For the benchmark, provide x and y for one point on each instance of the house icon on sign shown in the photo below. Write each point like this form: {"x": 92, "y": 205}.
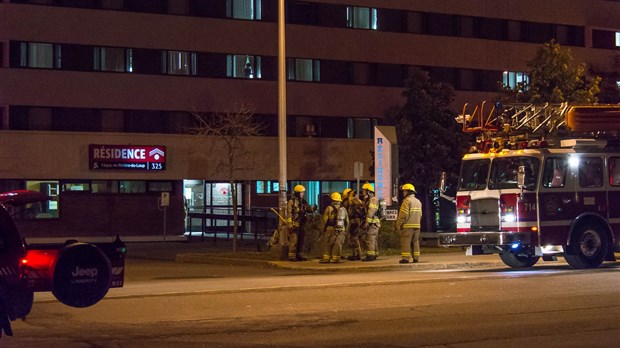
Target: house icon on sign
{"x": 156, "y": 153}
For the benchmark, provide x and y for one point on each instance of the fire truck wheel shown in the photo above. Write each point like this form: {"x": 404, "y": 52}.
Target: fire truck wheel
{"x": 588, "y": 247}
{"x": 516, "y": 261}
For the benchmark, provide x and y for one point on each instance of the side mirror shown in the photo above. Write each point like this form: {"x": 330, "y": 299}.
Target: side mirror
{"x": 521, "y": 177}
{"x": 442, "y": 182}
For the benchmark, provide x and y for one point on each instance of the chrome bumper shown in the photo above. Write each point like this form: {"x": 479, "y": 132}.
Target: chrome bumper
{"x": 484, "y": 238}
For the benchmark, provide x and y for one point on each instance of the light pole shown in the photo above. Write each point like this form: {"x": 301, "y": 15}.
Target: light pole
{"x": 281, "y": 252}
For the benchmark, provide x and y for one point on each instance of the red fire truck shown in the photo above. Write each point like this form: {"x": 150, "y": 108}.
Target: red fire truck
{"x": 542, "y": 181}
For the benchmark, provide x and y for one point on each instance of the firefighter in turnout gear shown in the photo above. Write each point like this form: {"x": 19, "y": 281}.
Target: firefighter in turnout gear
{"x": 355, "y": 209}
{"x": 372, "y": 223}
{"x": 335, "y": 226}
{"x": 296, "y": 210}
{"x": 408, "y": 224}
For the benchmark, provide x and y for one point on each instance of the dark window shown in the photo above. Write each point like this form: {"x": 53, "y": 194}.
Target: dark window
{"x": 603, "y": 39}
{"x": 514, "y": 30}
{"x": 538, "y": 32}
{"x": 332, "y": 15}
{"x": 439, "y": 74}
{"x": 392, "y": 75}
{"x": 440, "y": 24}
{"x": 211, "y": 64}
{"x": 269, "y": 124}
{"x": 142, "y": 121}
{"x": 18, "y": 117}
{"x": 151, "y": 6}
{"x": 333, "y": 127}
{"x": 490, "y": 80}
{"x": 301, "y": 12}
{"x": 391, "y": 20}
{"x": 490, "y": 28}
{"x": 76, "y": 120}
{"x": 569, "y": 35}
{"x": 77, "y": 57}
{"x": 77, "y": 3}
{"x": 210, "y": 8}
{"x": 335, "y": 72}
{"x": 147, "y": 61}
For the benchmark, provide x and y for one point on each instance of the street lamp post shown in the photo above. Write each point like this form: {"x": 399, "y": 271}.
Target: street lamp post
{"x": 281, "y": 251}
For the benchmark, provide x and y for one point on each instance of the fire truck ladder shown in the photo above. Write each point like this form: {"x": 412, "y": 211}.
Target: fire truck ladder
{"x": 514, "y": 118}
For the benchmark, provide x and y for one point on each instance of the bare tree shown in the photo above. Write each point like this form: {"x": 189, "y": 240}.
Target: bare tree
{"x": 223, "y": 134}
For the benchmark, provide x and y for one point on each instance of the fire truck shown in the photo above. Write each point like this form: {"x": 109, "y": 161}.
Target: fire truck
{"x": 542, "y": 181}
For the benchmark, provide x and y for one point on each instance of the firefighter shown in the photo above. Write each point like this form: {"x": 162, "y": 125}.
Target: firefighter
{"x": 355, "y": 209}
{"x": 296, "y": 210}
{"x": 408, "y": 224}
{"x": 335, "y": 226}
{"x": 372, "y": 223}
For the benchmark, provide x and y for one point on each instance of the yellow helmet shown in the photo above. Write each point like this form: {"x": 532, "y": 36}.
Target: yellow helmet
{"x": 409, "y": 187}
{"x": 300, "y": 188}
{"x": 346, "y": 192}
{"x": 368, "y": 186}
{"x": 336, "y": 197}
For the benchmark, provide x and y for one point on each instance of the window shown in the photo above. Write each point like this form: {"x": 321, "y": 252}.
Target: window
{"x": 618, "y": 39}
{"x": 590, "y": 172}
{"x": 75, "y": 186}
{"x": 361, "y": 17}
{"x": 244, "y": 9}
{"x": 179, "y": 63}
{"x": 504, "y": 172}
{"x": 512, "y": 79}
{"x": 266, "y": 187}
{"x": 127, "y": 186}
{"x": 243, "y": 66}
{"x": 40, "y": 55}
{"x": 555, "y": 171}
{"x": 614, "y": 171}
{"x": 76, "y": 120}
{"x": 46, "y": 209}
{"x": 104, "y": 186}
{"x": 160, "y": 186}
{"x": 361, "y": 128}
{"x": 304, "y": 69}
{"x": 474, "y": 175}
{"x": 113, "y": 59}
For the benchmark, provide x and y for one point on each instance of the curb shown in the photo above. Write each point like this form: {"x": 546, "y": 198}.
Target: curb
{"x": 350, "y": 266}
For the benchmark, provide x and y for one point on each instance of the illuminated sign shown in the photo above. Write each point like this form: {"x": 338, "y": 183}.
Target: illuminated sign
{"x": 129, "y": 157}
{"x": 386, "y": 163}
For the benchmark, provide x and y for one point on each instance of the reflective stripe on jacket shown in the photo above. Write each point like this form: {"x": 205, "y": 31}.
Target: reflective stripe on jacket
{"x": 372, "y": 205}
{"x": 410, "y": 213}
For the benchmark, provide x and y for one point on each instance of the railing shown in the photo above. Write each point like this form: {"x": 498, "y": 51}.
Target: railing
{"x": 256, "y": 223}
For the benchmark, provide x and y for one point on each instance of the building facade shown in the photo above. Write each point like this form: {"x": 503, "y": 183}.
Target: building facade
{"x": 131, "y": 75}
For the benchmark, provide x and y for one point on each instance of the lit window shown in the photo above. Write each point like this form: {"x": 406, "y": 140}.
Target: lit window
{"x": 618, "y": 39}
{"x": 76, "y": 186}
{"x": 40, "y": 55}
{"x": 113, "y": 59}
{"x": 179, "y": 63}
{"x": 362, "y": 17}
{"x": 513, "y": 79}
{"x": 46, "y": 209}
{"x": 243, "y": 66}
{"x": 304, "y": 70}
{"x": 243, "y": 9}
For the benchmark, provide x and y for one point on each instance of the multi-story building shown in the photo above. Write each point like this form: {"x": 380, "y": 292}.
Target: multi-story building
{"x": 83, "y": 79}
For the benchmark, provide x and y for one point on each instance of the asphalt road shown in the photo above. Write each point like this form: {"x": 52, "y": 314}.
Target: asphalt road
{"x": 179, "y": 305}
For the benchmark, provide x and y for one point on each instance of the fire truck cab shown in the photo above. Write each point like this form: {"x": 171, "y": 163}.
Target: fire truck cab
{"x": 527, "y": 199}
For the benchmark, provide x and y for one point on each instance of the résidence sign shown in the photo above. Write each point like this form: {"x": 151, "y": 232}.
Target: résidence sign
{"x": 130, "y": 157}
